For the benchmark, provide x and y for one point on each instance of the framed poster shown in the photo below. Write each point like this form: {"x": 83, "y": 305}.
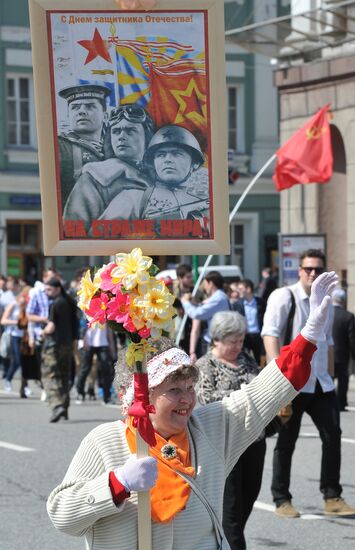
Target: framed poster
{"x": 131, "y": 120}
{"x": 290, "y": 250}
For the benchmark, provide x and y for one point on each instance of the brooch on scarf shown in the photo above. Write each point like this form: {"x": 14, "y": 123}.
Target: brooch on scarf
{"x": 168, "y": 451}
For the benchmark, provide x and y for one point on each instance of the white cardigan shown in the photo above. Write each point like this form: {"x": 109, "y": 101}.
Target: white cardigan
{"x": 219, "y": 433}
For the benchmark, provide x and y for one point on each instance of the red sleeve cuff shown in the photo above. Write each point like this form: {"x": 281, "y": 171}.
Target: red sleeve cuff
{"x": 294, "y": 361}
{"x": 119, "y": 493}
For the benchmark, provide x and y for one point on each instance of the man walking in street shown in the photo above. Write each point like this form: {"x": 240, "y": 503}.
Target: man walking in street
{"x": 60, "y": 333}
{"x": 252, "y": 308}
{"x": 344, "y": 345}
{"x": 37, "y": 312}
{"x": 286, "y": 312}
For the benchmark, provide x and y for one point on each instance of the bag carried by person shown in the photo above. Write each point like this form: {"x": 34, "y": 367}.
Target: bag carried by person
{"x": 25, "y": 348}
{"x": 5, "y": 345}
{"x": 29, "y": 362}
{"x": 222, "y": 543}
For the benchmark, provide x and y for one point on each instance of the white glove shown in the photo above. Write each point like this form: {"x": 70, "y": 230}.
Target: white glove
{"x": 138, "y": 474}
{"x": 319, "y": 304}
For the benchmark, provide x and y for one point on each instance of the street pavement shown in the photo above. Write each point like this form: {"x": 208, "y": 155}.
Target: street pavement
{"x": 34, "y": 455}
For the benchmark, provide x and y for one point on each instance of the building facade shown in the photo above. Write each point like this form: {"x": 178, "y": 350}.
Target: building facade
{"x": 21, "y": 250}
{"x": 311, "y": 44}
{"x": 310, "y": 75}
{"x": 252, "y": 140}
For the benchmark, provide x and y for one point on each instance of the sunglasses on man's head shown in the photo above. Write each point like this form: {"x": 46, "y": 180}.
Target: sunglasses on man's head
{"x": 133, "y": 113}
{"x": 317, "y": 270}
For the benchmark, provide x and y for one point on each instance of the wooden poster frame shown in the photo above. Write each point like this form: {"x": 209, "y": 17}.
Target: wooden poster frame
{"x": 189, "y": 235}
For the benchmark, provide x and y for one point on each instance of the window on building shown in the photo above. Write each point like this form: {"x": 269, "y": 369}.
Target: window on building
{"x": 245, "y": 238}
{"x": 24, "y": 234}
{"x": 232, "y": 118}
{"x": 24, "y": 249}
{"x": 236, "y": 123}
{"x": 237, "y": 245}
{"x": 18, "y": 102}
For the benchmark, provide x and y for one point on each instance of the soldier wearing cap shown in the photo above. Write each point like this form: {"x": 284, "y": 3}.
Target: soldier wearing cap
{"x": 131, "y": 129}
{"x": 84, "y": 142}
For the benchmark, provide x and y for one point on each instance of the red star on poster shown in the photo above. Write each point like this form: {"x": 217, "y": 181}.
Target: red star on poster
{"x": 96, "y": 47}
{"x": 192, "y": 104}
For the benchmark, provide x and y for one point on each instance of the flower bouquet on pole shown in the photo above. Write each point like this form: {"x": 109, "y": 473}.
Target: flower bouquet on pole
{"x": 125, "y": 295}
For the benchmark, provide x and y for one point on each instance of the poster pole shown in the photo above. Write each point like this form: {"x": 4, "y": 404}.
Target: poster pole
{"x": 144, "y": 513}
{"x": 231, "y": 217}
{"x": 144, "y": 516}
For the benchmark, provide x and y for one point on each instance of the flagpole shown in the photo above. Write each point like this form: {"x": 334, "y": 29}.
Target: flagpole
{"x": 231, "y": 217}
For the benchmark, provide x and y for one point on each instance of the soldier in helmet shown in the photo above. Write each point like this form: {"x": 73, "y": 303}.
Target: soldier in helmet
{"x": 84, "y": 142}
{"x": 174, "y": 155}
{"x": 100, "y": 183}
{"x": 179, "y": 188}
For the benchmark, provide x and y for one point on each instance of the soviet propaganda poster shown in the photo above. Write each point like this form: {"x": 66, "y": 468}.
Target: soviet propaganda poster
{"x": 133, "y": 154}
{"x": 130, "y": 93}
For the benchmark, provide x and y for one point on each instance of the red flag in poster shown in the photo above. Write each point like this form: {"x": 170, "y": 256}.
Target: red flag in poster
{"x": 178, "y": 96}
{"x": 307, "y": 156}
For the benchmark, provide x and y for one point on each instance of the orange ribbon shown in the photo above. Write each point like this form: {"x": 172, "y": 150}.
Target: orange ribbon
{"x": 171, "y": 492}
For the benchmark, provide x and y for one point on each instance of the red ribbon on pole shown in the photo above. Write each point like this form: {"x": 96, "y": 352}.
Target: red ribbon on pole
{"x": 141, "y": 408}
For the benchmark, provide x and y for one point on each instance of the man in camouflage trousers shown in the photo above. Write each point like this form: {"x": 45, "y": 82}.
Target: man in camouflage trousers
{"x": 60, "y": 334}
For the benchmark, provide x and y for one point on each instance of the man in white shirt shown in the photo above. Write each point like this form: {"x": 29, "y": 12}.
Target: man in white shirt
{"x": 317, "y": 397}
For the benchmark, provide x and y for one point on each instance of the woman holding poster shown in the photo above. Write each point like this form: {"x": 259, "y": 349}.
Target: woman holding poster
{"x": 193, "y": 454}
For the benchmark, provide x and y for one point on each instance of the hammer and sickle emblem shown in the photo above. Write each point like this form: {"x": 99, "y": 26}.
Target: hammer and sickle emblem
{"x": 315, "y": 132}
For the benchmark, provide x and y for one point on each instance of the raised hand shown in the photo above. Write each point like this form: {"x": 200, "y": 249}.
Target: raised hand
{"x": 319, "y": 303}
{"x": 321, "y": 287}
{"x": 138, "y": 474}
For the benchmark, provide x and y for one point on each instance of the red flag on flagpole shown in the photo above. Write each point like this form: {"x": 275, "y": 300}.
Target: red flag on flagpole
{"x": 307, "y": 156}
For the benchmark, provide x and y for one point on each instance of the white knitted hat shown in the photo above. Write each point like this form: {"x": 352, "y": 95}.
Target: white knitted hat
{"x": 159, "y": 368}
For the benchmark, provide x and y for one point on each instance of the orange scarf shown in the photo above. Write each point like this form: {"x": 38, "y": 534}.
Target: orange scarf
{"x": 171, "y": 492}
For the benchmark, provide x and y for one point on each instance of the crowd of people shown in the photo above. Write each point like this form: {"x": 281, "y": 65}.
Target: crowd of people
{"x": 46, "y": 337}
{"x": 232, "y": 331}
